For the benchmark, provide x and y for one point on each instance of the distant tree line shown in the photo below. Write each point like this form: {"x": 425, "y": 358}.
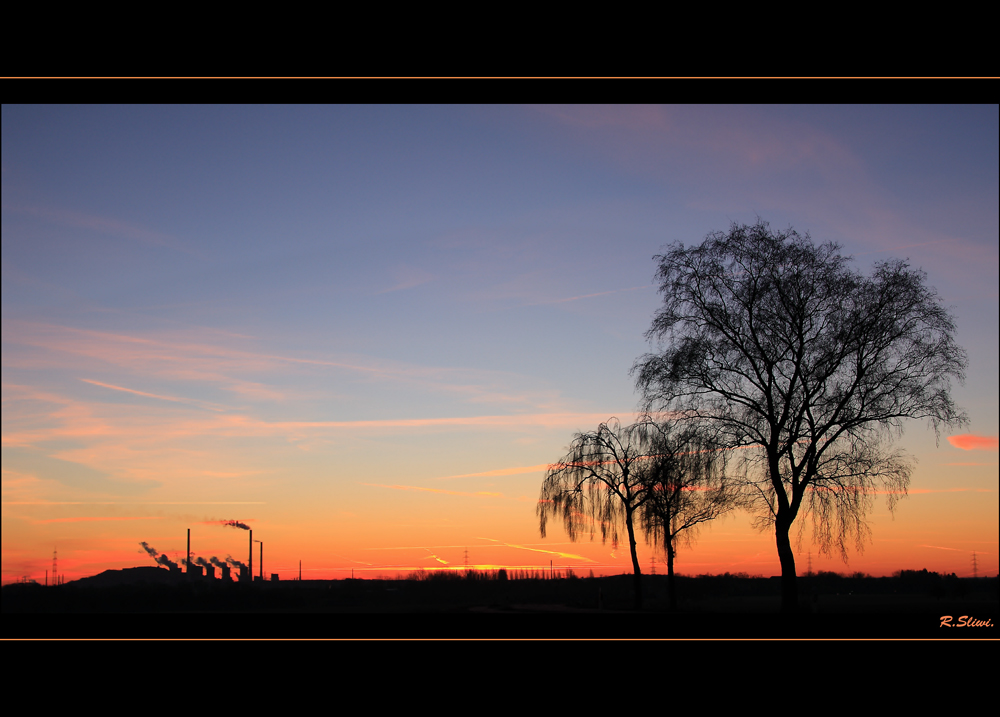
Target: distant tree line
{"x": 499, "y": 574}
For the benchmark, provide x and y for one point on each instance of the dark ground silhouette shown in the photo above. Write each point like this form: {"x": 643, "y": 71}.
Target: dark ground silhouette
{"x": 150, "y": 602}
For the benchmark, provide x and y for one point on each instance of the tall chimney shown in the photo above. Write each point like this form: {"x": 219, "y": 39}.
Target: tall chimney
{"x": 262, "y": 561}
{"x": 251, "y": 556}
{"x": 188, "y": 561}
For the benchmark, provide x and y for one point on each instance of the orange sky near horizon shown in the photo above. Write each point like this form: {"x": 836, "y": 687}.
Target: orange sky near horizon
{"x": 393, "y": 529}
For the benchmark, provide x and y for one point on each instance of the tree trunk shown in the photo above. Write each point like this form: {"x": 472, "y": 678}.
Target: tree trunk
{"x": 637, "y": 574}
{"x": 671, "y": 587}
{"x": 789, "y": 588}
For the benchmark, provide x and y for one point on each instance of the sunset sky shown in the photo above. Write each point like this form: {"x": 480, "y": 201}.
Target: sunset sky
{"x": 366, "y": 331}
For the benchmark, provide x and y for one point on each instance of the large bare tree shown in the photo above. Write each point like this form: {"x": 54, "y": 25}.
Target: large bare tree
{"x": 601, "y": 482}
{"x": 792, "y": 352}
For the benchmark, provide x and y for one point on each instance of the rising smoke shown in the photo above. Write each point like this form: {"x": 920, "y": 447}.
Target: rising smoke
{"x": 161, "y": 559}
{"x": 236, "y": 524}
{"x": 236, "y": 563}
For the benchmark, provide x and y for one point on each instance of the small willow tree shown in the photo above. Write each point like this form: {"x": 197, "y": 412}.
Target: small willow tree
{"x": 688, "y": 487}
{"x": 602, "y": 482}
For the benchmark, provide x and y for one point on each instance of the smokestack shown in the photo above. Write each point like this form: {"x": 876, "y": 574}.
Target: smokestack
{"x": 262, "y": 561}
{"x": 209, "y": 568}
{"x": 188, "y": 561}
{"x": 251, "y": 556}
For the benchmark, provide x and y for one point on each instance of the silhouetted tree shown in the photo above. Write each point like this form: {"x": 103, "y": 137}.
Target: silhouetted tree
{"x": 688, "y": 486}
{"x": 602, "y": 482}
{"x": 796, "y": 354}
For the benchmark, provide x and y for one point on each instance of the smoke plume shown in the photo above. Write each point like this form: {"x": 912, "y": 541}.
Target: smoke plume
{"x": 236, "y": 524}
{"x": 167, "y": 562}
{"x": 160, "y": 559}
{"x": 235, "y": 563}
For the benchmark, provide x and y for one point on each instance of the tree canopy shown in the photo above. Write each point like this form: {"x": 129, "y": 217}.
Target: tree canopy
{"x": 666, "y": 478}
{"x": 602, "y": 482}
{"x": 790, "y": 351}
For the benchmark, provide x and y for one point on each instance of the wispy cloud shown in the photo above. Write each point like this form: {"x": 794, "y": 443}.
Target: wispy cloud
{"x": 545, "y": 420}
{"x": 132, "y": 502}
{"x": 588, "y": 296}
{"x": 971, "y": 442}
{"x": 192, "y": 401}
{"x": 350, "y": 560}
{"x": 920, "y": 491}
{"x": 408, "y": 277}
{"x": 501, "y": 472}
{"x": 200, "y": 356}
{"x": 477, "y": 494}
{"x": 127, "y": 440}
{"x": 908, "y": 246}
{"x": 105, "y": 225}
{"x": 435, "y": 557}
{"x": 95, "y": 519}
{"x": 568, "y": 556}
{"x": 743, "y": 139}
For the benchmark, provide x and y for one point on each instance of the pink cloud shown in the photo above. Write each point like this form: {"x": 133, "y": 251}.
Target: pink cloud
{"x": 87, "y": 520}
{"x": 590, "y": 296}
{"x": 154, "y": 395}
{"x": 105, "y": 225}
{"x": 478, "y": 494}
{"x": 408, "y": 277}
{"x": 970, "y": 442}
{"x": 743, "y": 139}
{"x": 919, "y": 491}
{"x": 243, "y": 425}
{"x": 502, "y": 472}
{"x": 199, "y": 356}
